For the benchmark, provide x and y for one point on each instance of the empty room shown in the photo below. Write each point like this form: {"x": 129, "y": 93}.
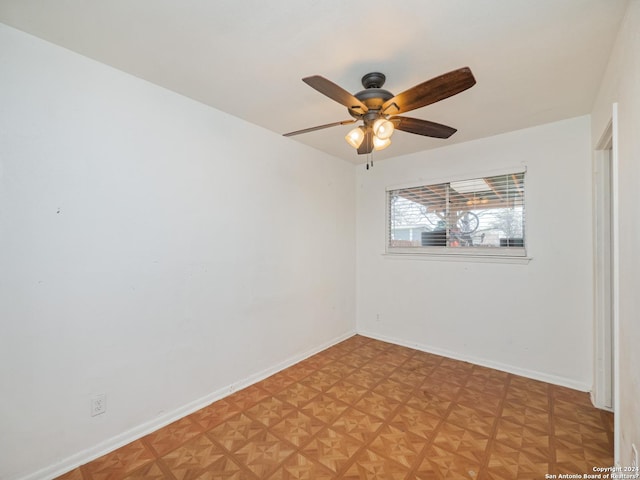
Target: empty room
{"x": 319, "y": 239}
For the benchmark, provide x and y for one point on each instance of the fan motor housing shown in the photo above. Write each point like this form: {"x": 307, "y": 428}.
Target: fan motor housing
{"x": 373, "y": 98}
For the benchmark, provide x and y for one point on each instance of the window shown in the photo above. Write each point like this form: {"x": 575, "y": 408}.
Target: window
{"x": 478, "y": 216}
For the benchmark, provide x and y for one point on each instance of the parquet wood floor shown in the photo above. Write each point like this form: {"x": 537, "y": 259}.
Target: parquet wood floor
{"x": 366, "y": 409}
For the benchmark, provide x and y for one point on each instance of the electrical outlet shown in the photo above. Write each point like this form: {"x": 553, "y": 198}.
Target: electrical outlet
{"x": 98, "y": 404}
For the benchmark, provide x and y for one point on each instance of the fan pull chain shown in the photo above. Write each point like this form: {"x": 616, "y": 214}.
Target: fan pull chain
{"x": 369, "y": 160}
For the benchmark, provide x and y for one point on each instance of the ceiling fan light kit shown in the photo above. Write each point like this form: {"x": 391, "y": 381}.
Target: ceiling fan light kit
{"x": 355, "y": 137}
{"x": 378, "y": 109}
{"x": 380, "y": 144}
{"x": 383, "y": 128}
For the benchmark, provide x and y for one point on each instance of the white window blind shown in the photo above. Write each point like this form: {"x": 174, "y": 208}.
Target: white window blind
{"x": 479, "y": 216}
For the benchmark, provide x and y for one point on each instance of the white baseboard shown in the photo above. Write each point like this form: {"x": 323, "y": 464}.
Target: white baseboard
{"x": 146, "y": 428}
{"x": 535, "y": 375}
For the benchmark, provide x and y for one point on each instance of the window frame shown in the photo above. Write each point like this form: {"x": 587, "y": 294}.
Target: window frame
{"x": 497, "y": 254}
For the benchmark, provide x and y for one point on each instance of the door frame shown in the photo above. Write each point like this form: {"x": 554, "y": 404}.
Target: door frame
{"x": 606, "y": 383}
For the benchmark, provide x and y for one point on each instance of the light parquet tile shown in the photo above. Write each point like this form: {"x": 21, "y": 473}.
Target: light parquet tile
{"x": 347, "y": 392}
{"x": 297, "y": 428}
{"x": 72, "y": 475}
{"x": 580, "y": 414}
{"x": 216, "y": 413}
{"x": 428, "y": 402}
{"x": 301, "y": 370}
{"x": 248, "y": 397}
{"x": 444, "y": 465}
{"x": 471, "y": 419}
{"x": 482, "y": 384}
{"x": 354, "y": 361}
{"x": 301, "y": 467}
{"x": 519, "y": 393}
{"x": 226, "y": 471}
{"x": 332, "y": 449}
{"x": 320, "y": 380}
{"x": 264, "y": 454}
{"x": 407, "y": 377}
{"x": 440, "y": 388}
{"x": 278, "y": 382}
{"x": 370, "y": 465}
{"x": 378, "y": 405}
{"x": 365, "y": 409}
{"x": 366, "y": 379}
{"x": 338, "y": 369}
{"x": 464, "y": 443}
{"x": 270, "y": 411}
{"x": 449, "y": 375}
{"x": 484, "y": 402}
{"x": 533, "y": 417}
{"x": 298, "y": 394}
{"x": 420, "y": 423}
{"x": 401, "y": 446}
{"x": 150, "y": 471}
{"x": 190, "y": 460}
{"x": 528, "y": 462}
{"x": 357, "y": 424}
{"x": 172, "y": 436}
{"x": 119, "y": 463}
{"x": 236, "y": 432}
{"x": 325, "y": 408}
{"x": 393, "y": 390}
{"x": 519, "y": 435}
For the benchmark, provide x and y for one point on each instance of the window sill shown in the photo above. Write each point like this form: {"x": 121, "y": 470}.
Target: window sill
{"x": 448, "y": 257}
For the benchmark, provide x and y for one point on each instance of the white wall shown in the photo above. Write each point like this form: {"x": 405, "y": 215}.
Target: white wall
{"x": 534, "y": 319}
{"x": 621, "y": 84}
{"x": 153, "y": 249}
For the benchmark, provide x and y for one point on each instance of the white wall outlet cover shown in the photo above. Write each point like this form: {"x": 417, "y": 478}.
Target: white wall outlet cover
{"x": 98, "y": 404}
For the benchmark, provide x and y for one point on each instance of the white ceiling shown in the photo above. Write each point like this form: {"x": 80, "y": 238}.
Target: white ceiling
{"x": 535, "y": 61}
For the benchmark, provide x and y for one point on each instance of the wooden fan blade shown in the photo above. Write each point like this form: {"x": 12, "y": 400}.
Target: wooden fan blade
{"x": 422, "y": 127}
{"x": 335, "y": 92}
{"x": 431, "y": 91}
{"x": 319, "y": 127}
{"x": 367, "y": 143}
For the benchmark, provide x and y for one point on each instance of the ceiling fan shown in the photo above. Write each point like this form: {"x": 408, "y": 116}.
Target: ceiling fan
{"x": 378, "y": 108}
